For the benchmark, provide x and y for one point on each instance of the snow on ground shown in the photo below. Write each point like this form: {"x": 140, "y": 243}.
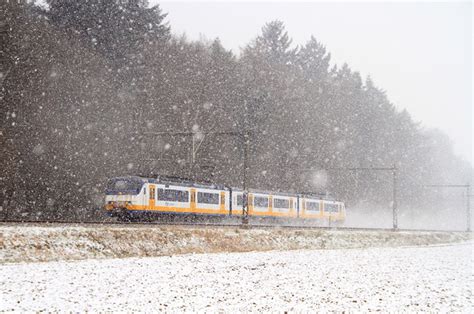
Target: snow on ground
{"x": 434, "y": 278}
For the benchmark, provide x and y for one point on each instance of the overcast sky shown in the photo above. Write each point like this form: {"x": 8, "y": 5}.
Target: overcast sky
{"x": 420, "y": 53}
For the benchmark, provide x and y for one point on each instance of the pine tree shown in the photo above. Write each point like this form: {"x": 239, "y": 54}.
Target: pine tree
{"x": 116, "y": 29}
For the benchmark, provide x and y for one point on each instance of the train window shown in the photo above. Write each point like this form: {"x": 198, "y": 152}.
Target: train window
{"x": 312, "y": 206}
{"x": 240, "y": 200}
{"x": 260, "y": 201}
{"x": 208, "y": 198}
{"x": 124, "y": 186}
{"x": 152, "y": 193}
{"x": 173, "y": 195}
{"x": 121, "y": 185}
{"x": 281, "y": 203}
{"x": 183, "y": 196}
{"x": 331, "y": 208}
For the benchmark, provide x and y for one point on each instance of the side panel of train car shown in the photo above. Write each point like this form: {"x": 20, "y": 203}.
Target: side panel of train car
{"x": 266, "y": 205}
{"x": 167, "y": 198}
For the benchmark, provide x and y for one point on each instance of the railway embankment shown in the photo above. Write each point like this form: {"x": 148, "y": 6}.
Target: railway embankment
{"x": 37, "y": 243}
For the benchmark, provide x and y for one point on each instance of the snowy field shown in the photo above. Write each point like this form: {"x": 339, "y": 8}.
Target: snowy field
{"x": 435, "y": 278}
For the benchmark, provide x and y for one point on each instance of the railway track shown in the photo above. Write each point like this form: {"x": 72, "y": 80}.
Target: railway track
{"x": 212, "y": 225}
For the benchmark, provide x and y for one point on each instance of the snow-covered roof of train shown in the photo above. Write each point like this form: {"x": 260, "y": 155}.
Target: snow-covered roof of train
{"x": 172, "y": 180}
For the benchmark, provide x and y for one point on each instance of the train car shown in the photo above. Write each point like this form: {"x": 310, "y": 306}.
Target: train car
{"x": 135, "y": 197}
{"x": 266, "y": 204}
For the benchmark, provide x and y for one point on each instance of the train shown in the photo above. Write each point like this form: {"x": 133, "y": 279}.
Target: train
{"x": 134, "y": 197}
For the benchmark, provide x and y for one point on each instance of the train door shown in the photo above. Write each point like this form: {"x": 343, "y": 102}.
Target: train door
{"x": 222, "y": 202}
{"x": 193, "y": 200}
{"x": 250, "y": 203}
{"x": 152, "y": 193}
{"x": 303, "y": 207}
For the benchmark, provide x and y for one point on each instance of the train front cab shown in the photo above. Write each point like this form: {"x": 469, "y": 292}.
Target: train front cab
{"x": 334, "y": 212}
{"x": 122, "y": 194}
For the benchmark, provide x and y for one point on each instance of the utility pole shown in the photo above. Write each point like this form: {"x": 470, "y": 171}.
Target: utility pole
{"x": 468, "y": 196}
{"x": 394, "y": 204}
{"x": 245, "y": 205}
{"x": 468, "y": 208}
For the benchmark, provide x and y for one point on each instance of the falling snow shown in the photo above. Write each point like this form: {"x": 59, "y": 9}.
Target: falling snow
{"x": 111, "y": 90}
{"x": 98, "y": 89}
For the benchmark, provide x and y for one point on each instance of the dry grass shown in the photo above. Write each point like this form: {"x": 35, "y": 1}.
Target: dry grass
{"x": 35, "y": 243}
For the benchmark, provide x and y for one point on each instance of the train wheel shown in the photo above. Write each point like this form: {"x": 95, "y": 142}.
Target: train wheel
{"x": 124, "y": 216}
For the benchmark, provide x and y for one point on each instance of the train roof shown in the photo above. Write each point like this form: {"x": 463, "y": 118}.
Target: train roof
{"x": 266, "y": 192}
{"x": 174, "y": 180}
{"x": 309, "y": 195}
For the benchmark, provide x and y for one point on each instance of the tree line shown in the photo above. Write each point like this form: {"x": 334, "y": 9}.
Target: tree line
{"x": 95, "y": 89}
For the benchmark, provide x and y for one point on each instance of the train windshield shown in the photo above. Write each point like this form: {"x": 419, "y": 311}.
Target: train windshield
{"x": 124, "y": 186}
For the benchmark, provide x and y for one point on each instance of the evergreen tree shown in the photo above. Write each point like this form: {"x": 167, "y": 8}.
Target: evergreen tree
{"x": 116, "y": 29}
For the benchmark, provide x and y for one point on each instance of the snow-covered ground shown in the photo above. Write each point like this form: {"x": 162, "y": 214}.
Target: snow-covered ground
{"x": 434, "y": 278}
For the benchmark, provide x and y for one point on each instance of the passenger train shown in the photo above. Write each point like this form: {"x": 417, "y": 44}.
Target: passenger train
{"x": 134, "y": 197}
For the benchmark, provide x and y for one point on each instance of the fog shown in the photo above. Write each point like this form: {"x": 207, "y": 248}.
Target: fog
{"x": 419, "y": 52}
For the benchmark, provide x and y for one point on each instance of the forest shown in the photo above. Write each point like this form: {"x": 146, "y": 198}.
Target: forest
{"x": 96, "y": 89}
